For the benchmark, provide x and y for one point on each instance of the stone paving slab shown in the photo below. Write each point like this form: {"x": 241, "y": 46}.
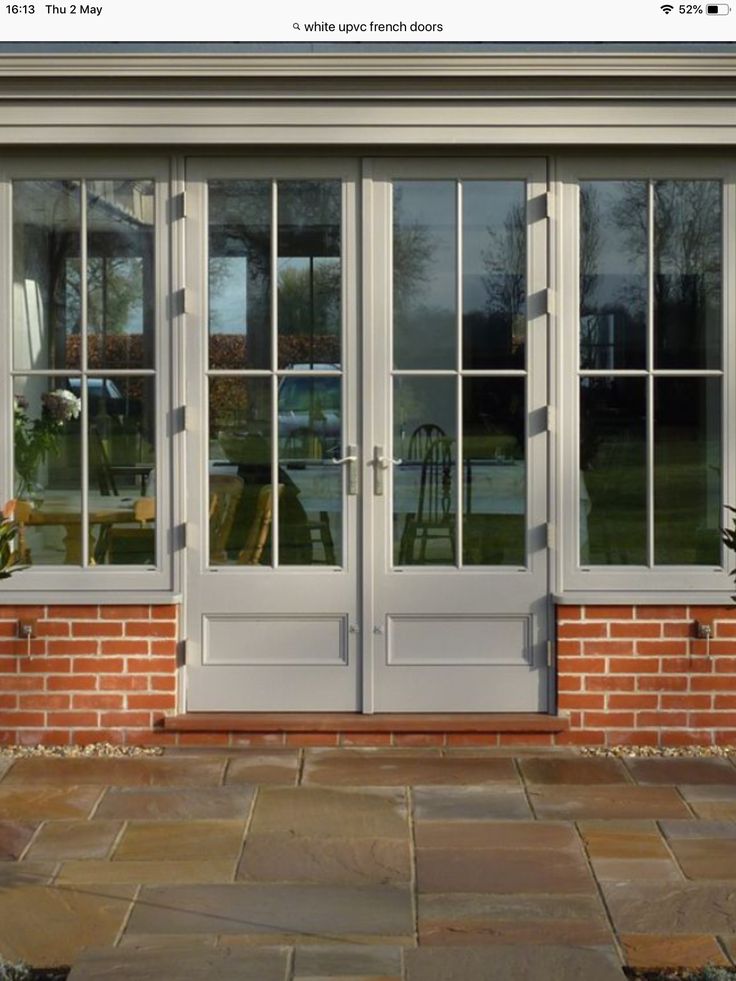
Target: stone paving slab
{"x": 74, "y": 839}
{"x": 579, "y": 803}
{"x": 624, "y": 839}
{"x": 118, "y": 772}
{"x": 391, "y": 770}
{"x": 179, "y": 841}
{"x": 192, "y": 871}
{"x": 348, "y": 861}
{"x": 674, "y": 830}
{"x": 14, "y": 838}
{"x": 14, "y": 874}
{"x": 348, "y": 960}
{"x": 322, "y": 913}
{"x": 502, "y": 871}
{"x": 172, "y": 804}
{"x": 548, "y": 835}
{"x": 470, "y": 803}
{"x": 706, "y": 858}
{"x": 682, "y": 771}
{"x": 330, "y": 812}
{"x": 661, "y": 908}
{"x": 183, "y": 964}
{"x": 575, "y": 771}
{"x": 47, "y": 926}
{"x": 649, "y": 952}
{"x": 630, "y": 869}
{"x": 42, "y": 803}
{"x": 258, "y": 767}
{"x": 711, "y": 803}
{"x": 5, "y": 765}
{"x": 503, "y": 963}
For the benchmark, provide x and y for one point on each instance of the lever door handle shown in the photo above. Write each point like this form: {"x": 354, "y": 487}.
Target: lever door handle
{"x": 381, "y": 463}
{"x": 351, "y": 458}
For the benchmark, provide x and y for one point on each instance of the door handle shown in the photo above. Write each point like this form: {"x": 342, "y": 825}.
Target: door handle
{"x": 380, "y": 464}
{"x": 351, "y": 458}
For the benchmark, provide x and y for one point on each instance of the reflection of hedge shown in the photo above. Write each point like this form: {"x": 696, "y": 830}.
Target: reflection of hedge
{"x": 119, "y": 351}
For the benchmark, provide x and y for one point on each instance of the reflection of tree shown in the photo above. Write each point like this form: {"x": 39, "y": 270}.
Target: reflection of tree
{"x": 505, "y": 261}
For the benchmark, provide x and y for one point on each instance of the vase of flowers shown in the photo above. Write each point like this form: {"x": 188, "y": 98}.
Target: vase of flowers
{"x": 35, "y": 439}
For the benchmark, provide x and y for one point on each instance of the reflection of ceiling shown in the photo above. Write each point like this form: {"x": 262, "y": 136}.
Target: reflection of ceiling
{"x": 111, "y": 203}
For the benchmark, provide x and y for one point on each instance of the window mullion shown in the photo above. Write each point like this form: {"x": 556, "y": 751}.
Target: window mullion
{"x": 650, "y": 374}
{"x": 459, "y": 467}
{"x": 274, "y": 377}
{"x": 84, "y": 428}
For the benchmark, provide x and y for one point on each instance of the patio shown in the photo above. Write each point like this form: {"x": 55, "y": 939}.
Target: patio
{"x": 373, "y": 865}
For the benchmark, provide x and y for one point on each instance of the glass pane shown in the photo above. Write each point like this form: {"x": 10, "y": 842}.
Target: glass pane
{"x": 425, "y": 483}
{"x": 46, "y": 296}
{"x": 122, "y": 470}
{"x": 120, "y": 274}
{"x": 613, "y": 274}
{"x": 687, "y": 471}
{"x": 47, "y": 460}
{"x": 241, "y": 500}
{"x": 425, "y": 274}
{"x": 494, "y": 274}
{"x": 240, "y": 274}
{"x": 309, "y": 274}
{"x": 687, "y": 255}
{"x": 613, "y": 473}
{"x": 494, "y": 471}
{"x": 311, "y": 486}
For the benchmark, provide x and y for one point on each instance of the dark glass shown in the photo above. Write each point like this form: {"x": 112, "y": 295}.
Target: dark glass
{"x": 613, "y": 274}
{"x": 239, "y": 274}
{"x": 121, "y": 278}
{"x": 48, "y": 471}
{"x": 687, "y": 471}
{"x": 425, "y": 274}
{"x": 494, "y": 471}
{"x": 241, "y": 498}
{"x": 309, "y": 274}
{"x": 494, "y": 274}
{"x": 425, "y": 482}
{"x": 310, "y": 438}
{"x": 613, "y": 471}
{"x": 46, "y": 264}
{"x": 687, "y": 284}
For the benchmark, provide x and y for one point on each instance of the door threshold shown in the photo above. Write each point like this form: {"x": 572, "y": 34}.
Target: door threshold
{"x": 334, "y": 722}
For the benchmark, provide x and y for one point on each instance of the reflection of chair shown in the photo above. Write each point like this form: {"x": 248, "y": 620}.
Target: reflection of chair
{"x": 434, "y": 517}
{"x": 121, "y": 545}
{"x": 101, "y": 464}
{"x": 422, "y": 438}
{"x": 19, "y": 511}
{"x": 255, "y": 541}
{"x": 225, "y": 494}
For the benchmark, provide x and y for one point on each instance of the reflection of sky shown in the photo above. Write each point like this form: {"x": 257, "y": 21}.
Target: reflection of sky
{"x": 229, "y": 300}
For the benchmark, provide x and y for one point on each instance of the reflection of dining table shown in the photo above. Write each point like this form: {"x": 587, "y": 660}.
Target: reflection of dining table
{"x": 67, "y": 514}
{"x": 142, "y": 470}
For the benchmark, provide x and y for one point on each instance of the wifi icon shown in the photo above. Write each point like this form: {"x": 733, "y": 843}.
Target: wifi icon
{"x": 666, "y": 8}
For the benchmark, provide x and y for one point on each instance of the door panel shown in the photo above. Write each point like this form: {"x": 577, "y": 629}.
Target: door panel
{"x": 273, "y": 565}
{"x": 457, "y": 356}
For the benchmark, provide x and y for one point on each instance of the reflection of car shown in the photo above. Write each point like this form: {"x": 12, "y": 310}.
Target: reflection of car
{"x": 310, "y": 407}
{"x": 99, "y": 390}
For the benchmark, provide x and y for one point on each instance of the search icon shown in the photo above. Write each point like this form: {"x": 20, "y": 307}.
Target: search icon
{"x": 296, "y": 26}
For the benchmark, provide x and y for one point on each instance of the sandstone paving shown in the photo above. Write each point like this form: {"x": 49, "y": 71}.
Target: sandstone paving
{"x": 711, "y": 803}
{"x": 257, "y": 767}
{"x": 682, "y": 771}
{"x": 580, "y": 803}
{"x": 466, "y": 919}
{"x": 543, "y": 962}
{"x": 625, "y": 839}
{"x": 391, "y": 769}
{"x": 14, "y": 838}
{"x": 624, "y": 869}
{"x": 172, "y": 803}
{"x": 351, "y": 861}
{"x": 664, "y": 908}
{"x": 118, "y": 772}
{"x": 315, "y": 913}
{"x": 706, "y": 858}
{"x": 573, "y": 770}
{"x": 5, "y": 765}
{"x": 673, "y": 830}
{"x": 331, "y": 812}
{"x": 74, "y": 839}
{"x": 649, "y": 952}
{"x": 187, "y": 963}
{"x": 346, "y": 960}
{"x": 40, "y": 802}
{"x": 509, "y": 835}
{"x": 48, "y": 925}
{"x": 13, "y": 874}
{"x": 180, "y": 840}
{"x": 470, "y": 803}
{"x": 191, "y": 871}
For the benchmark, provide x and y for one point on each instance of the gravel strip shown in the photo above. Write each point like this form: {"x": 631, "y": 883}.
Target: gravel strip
{"x": 728, "y": 752}
{"x": 93, "y": 749}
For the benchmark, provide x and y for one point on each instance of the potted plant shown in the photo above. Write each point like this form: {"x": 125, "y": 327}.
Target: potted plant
{"x": 34, "y": 439}
{"x": 729, "y": 539}
{"x": 8, "y": 542}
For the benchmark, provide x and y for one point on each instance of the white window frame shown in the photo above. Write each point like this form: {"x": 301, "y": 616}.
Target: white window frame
{"x": 98, "y": 583}
{"x": 623, "y": 583}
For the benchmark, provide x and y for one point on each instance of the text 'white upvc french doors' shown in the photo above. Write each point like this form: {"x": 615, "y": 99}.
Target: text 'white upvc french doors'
{"x": 367, "y": 495}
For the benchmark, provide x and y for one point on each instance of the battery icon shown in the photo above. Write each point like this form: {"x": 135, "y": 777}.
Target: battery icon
{"x": 719, "y": 9}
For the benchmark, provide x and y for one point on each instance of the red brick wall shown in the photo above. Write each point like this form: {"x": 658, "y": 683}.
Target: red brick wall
{"x": 639, "y": 675}
{"x": 94, "y": 674}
